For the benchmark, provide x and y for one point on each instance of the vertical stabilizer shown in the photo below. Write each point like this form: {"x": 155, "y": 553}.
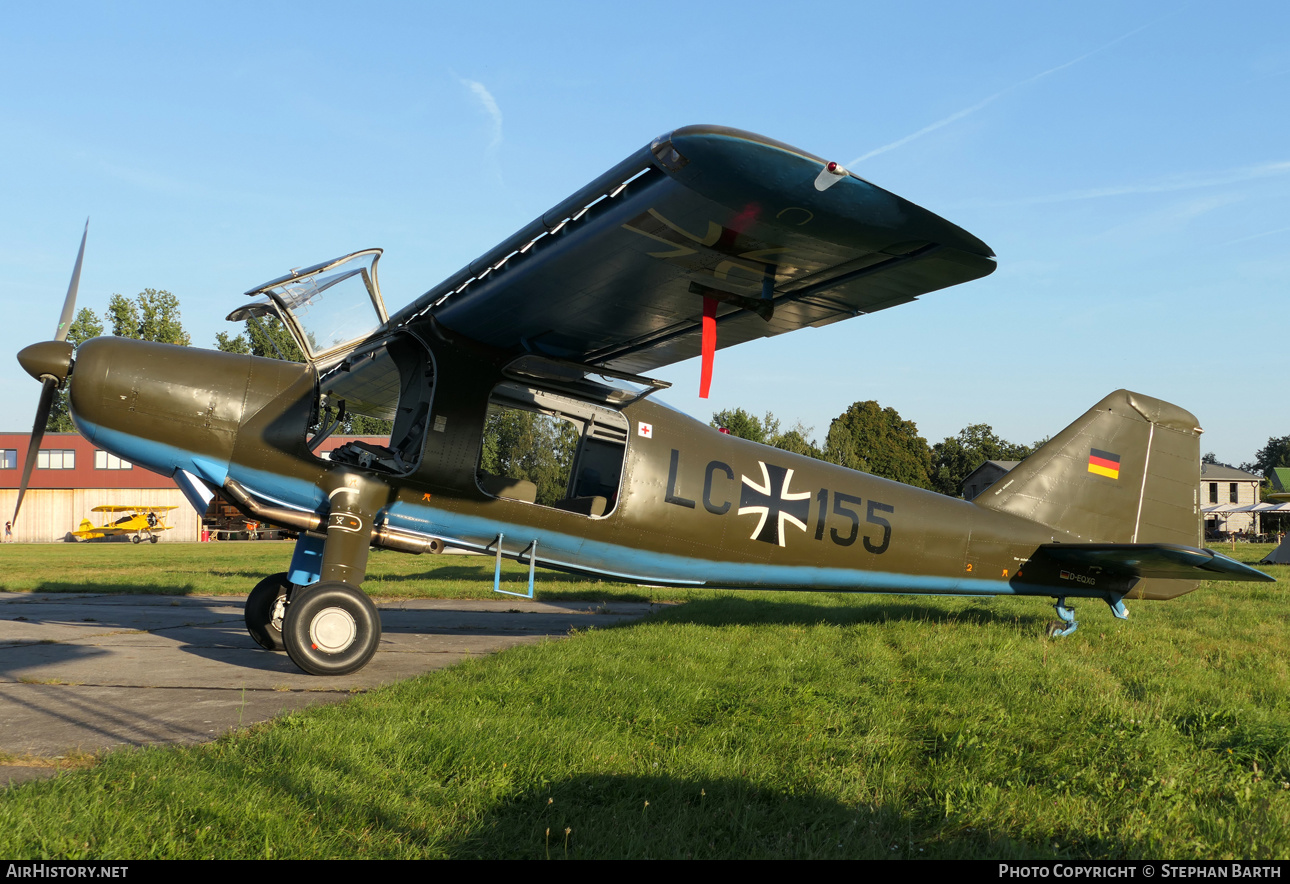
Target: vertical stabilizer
{"x": 1128, "y": 471}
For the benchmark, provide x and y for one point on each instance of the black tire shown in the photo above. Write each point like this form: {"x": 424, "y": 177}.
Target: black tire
{"x": 331, "y": 629}
{"x": 263, "y": 616}
{"x": 134, "y": 538}
{"x": 153, "y": 539}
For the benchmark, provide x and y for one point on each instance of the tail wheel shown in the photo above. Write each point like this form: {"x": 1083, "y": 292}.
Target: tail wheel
{"x": 266, "y": 607}
{"x": 331, "y": 629}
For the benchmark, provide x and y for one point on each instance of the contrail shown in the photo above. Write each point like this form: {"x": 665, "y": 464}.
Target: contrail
{"x": 1232, "y": 242}
{"x": 1238, "y": 175}
{"x": 958, "y": 115}
{"x": 490, "y": 107}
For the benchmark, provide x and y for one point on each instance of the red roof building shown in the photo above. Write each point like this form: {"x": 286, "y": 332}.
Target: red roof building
{"x": 72, "y": 476}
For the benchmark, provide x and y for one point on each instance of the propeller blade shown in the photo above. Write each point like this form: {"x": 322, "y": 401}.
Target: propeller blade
{"x": 37, "y": 436}
{"x": 69, "y": 303}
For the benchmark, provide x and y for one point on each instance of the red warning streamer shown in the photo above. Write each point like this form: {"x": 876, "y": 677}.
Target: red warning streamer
{"x": 709, "y": 345}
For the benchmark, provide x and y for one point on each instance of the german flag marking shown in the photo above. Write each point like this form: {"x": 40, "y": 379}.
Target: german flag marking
{"x": 1104, "y": 463}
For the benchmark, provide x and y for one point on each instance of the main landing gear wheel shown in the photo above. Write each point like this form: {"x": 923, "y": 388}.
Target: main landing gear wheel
{"x": 135, "y": 538}
{"x": 266, "y": 607}
{"x": 331, "y": 629}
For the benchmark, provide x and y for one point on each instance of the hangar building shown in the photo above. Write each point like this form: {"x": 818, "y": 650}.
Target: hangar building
{"x": 72, "y": 477}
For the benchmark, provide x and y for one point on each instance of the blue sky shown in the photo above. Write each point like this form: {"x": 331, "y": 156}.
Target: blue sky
{"x": 1128, "y": 163}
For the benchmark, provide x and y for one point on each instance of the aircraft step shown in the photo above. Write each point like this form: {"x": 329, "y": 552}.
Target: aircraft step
{"x": 530, "y": 551}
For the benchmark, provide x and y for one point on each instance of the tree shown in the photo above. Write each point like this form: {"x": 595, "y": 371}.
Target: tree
{"x": 265, "y": 336}
{"x": 766, "y": 431}
{"x": 362, "y": 425}
{"x": 796, "y": 441}
{"x": 744, "y": 425}
{"x": 536, "y": 447}
{"x": 86, "y": 325}
{"x": 152, "y": 316}
{"x": 1275, "y": 454}
{"x": 226, "y": 344}
{"x": 873, "y": 439}
{"x": 954, "y": 459}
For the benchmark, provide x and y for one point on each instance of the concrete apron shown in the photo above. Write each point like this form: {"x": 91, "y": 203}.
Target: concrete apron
{"x": 84, "y": 673}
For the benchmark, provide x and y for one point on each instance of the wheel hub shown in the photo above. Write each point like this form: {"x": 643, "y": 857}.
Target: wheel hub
{"x": 333, "y": 630}
{"x": 278, "y": 612}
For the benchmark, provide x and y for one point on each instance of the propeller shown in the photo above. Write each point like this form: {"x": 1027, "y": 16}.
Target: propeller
{"x": 49, "y": 362}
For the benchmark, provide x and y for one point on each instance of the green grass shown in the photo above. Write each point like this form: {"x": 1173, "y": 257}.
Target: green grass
{"x": 232, "y": 568}
{"x": 752, "y": 725}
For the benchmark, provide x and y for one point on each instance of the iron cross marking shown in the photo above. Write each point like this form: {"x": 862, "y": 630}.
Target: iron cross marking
{"x": 773, "y": 502}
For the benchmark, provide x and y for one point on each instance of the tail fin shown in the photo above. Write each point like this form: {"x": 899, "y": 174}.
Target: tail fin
{"x": 85, "y": 525}
{"x": 1128, "y": 471}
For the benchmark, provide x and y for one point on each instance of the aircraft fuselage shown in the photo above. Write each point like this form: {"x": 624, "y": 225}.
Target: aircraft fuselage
{"x": 693, "y": 506}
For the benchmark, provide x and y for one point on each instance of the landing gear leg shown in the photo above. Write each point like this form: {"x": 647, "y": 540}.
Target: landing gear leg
{"x": 1065, "y": 615}
{"x": 332, "y": 627}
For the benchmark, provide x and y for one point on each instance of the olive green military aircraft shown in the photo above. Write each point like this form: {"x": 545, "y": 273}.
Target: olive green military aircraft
{"x": 704, "y": 231}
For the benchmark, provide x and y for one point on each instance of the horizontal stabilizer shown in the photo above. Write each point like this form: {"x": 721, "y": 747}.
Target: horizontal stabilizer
{"x": 1166, "y": 560}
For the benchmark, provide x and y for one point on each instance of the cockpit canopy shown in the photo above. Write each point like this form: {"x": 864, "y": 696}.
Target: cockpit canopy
{"x": 329, "y": 308}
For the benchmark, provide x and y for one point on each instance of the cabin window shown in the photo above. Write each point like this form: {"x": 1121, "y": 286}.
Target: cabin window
{"x": 8, "y": 459}
{"x": 552, "y": 451}
{"x": 105, "y": 461}
{"x": 55, "y": 459}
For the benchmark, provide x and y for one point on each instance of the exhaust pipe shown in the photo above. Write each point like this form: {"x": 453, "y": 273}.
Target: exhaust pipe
{"x": 274, "y": 515}
{"x": 384, "y": 536}
{"x": 404, "y": 541}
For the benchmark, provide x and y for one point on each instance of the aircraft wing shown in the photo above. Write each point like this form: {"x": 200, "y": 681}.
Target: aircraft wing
{"x": 116, "y": 508}
{"x": 617, "y": 275}
{"x": 1151, "y": 560}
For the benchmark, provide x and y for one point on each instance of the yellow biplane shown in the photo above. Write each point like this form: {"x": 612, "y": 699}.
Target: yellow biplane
{"x": 140, "y": 522}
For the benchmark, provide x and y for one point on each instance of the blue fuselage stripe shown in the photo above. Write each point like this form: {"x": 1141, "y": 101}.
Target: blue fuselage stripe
{"x": 555, "y": 549}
